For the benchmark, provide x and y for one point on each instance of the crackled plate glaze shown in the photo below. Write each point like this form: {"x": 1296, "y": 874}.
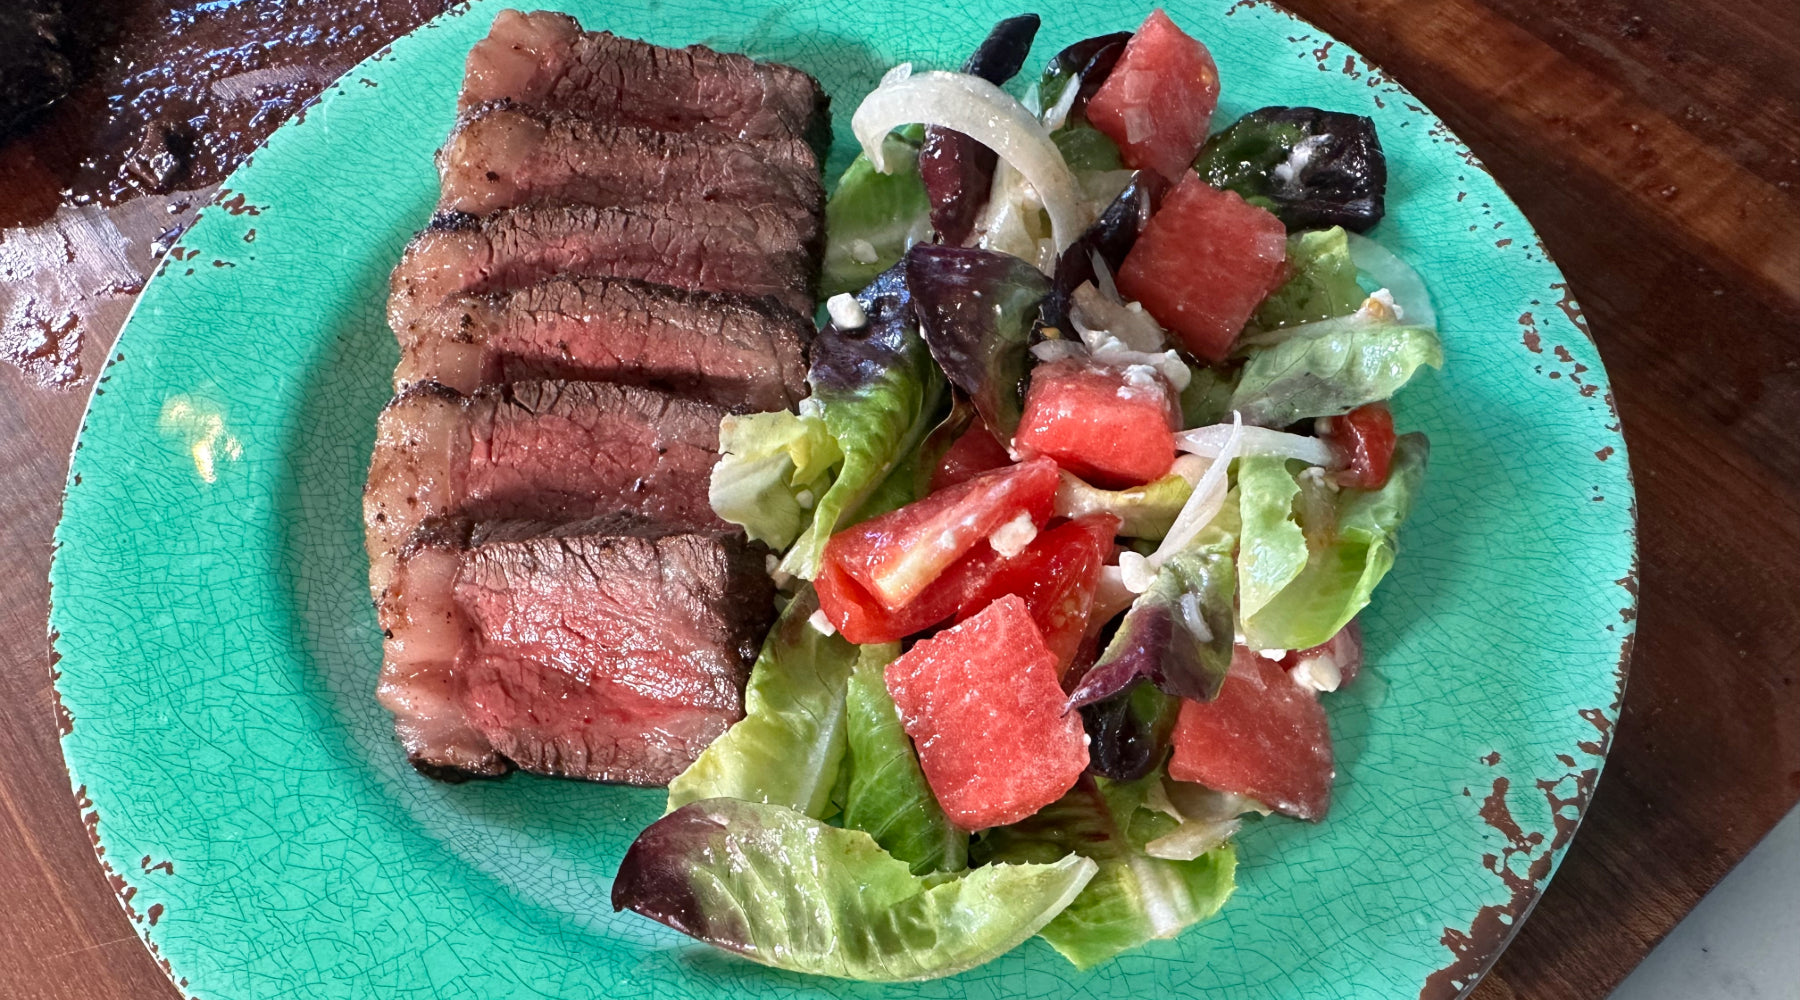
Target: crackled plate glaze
{"x": 218, "y": 651}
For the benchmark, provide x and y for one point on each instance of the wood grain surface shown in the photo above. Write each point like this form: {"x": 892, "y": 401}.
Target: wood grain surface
{"x": 1655, "y": 147}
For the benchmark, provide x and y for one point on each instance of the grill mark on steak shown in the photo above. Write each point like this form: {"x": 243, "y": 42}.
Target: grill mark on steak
{"x": 544, "y": 60}
{"x": 596, "y": 650}
{"x": 504, "y": 157}
{"x": 705, "y": 246}
{"x": 557, "y": 451}
{"x": 730, "y": 350}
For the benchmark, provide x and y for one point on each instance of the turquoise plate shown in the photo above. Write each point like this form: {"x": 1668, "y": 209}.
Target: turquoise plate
{"x": 218, "y": 651}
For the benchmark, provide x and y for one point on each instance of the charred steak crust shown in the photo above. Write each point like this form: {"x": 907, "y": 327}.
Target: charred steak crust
{"x": 698, "y": 246}
{"x": 554, "y": 590}
{"x": 544, "y": 60}
{"x": 609, "y": 650}
{"x": 558, "y": 451}
{"x": 501, "y": 157}
{"x": 738, "y": 352}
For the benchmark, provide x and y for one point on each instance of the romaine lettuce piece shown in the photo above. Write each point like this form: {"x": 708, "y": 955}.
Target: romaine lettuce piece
{"x": 1207, "y": 398}
{"x": 879, "y": 393}
{"x": 872, "y": 217}
{"x": 1321, "y": 282}
{"x": 1272, "y": 551}
{"x": 785, "y": 890}
{"x": 1344, "y": 559}
{"x": 1330, "y": 367}
{"x": 772, "y": 468}
{"x": 976, "y": 309}
{"x": 888, "y": 796}
{"x": 788, "y": 749}
{"x": 1135, "y": 898}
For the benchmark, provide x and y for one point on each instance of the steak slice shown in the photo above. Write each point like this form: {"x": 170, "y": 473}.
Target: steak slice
{"x": 734, "y": 351}
{"x": 601, "y": 650}
{"x": 702, "y": 246}
{"x": 544, "y": 60}
{"x": 552, "y": 451}
{"x": 504, "y": 157}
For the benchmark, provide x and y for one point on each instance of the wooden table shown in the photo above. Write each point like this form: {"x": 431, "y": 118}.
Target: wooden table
{"x": 1655, "y": 147}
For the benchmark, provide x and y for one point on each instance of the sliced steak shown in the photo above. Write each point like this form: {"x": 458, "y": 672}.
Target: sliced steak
{"x": 699, "y": 246}
{"x": 504, "y": 157}
{"x": 554, "y": 451}
{"x": 731, "y": 350}
{"x": 544, "y": 60}
{"x": 594, "y": 650}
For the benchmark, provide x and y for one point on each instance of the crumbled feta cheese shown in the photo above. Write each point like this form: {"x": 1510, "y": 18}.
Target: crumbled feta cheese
{"x": 805, "y": 499}
{"x": 1288, "y": 171}
{"x": 863, "y": 252}
{"x": 821, "y": 623}
{"x": 1386, "y": 298}
{"x": 1272, "y": 654}
{"x": 770, "y": 562}
{"x": 811, "y": 407}
{"x": 846, "y": 312}
{"x": 1011, "y": 538}
{"x": 1135, "y": 572}
{"x": 1318, "y": 673}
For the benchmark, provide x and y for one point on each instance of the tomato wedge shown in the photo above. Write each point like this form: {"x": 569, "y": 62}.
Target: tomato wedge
{"x": 1364, "y": 441}
{"x": 855, "y": 613}
{"x": 1056, "y": 575}
{"x": 895, "y": 557}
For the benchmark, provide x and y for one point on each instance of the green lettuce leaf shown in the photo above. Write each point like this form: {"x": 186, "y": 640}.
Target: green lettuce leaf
{"x": 1146, "y": 511}
{"x": 879, "y": 393}
{"x": 1330, "y": 367}
{"x": 872, "y": 217}
{"x": 1272, "y": 551}
{"x": 888, "y": 796}
{"x": 1344, "y": 558}
{"x": 1207, "y": 398}
{"x": 1134, "y": 898}
{"x": 1321, "y": 282}
{"x": 788, "y": 749}
{"x": 1087, "y": 149}
{"x": 789, "y": 891}
{"x": 772, "y": 467}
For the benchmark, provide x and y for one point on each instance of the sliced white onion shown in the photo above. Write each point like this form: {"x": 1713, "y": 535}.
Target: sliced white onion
{"x": 1190, "y": 467}
{"x": 1397, "y": 276}
{"x": 987, "y": 114}
{"x": 1059, "y": 112}
{"x": 1210, "y": 442}
{"x": 1207, "y": 499}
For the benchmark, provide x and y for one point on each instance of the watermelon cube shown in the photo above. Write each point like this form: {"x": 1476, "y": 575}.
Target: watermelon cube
{"x": 1056, "y": 576}
{"x": 983, "y": 706}
{"x": 1203, "y": 264}
{"x": 1264, "y": 736}
{"x": 1159, "y": 98}
{"x": 1114, "y": 427}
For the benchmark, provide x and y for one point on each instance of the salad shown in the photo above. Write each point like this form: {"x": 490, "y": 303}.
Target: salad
{"x": 1096, "y": 473}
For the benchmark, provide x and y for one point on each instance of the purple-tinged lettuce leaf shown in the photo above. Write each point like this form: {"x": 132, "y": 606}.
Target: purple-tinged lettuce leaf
{"x": 789, "y": 891}
{"x": 976, "y": 310}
